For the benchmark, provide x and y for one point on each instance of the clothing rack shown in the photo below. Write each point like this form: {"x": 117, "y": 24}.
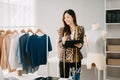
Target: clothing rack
{"x": 26, "y": 28}
{"x": 16, "y": 26}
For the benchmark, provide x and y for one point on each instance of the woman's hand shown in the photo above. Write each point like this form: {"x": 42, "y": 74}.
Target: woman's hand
{"x": 78, "y": 45}
{"x": 64, "y": 38}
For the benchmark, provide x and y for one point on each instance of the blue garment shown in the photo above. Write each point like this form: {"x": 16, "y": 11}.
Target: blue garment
{"x": 22, "y": 46}
{"x": 25, "y": 60}
{"x": 37, "y": 49}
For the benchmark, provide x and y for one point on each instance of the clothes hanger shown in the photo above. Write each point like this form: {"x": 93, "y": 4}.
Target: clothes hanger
{"x": 22, "y": 31}
{"x": 8, "y": 32}
{"x": 2, "y": 31}
{"x": 29, "y": 30}
{"x": 15, "y": 32}
{"x": 39, "y": 31}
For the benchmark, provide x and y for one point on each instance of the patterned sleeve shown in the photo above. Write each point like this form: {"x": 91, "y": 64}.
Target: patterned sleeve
{"x": 82, "y": 34}
{"x": 60, "y": 37}
{"x": 60, "y": 45}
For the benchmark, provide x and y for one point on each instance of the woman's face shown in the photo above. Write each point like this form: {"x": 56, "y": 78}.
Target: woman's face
{"x": 68, "y": 19}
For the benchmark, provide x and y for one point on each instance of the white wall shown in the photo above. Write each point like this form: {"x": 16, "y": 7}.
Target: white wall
{"x": 49, "y": 16}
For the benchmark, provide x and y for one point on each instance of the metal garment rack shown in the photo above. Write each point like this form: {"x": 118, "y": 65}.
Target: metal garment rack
{"x": 16, "y": 27}
{"x": 28, "y": 27}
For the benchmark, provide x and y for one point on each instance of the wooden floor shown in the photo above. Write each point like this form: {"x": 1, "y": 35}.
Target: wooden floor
{"x": 87, "y": 74}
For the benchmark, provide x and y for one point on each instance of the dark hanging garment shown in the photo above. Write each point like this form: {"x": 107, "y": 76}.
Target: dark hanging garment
{"x": 25, "y": 59}
{"x": 37, "y": 49}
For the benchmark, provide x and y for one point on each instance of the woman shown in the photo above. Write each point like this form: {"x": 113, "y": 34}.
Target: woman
{"x": 69, "y": 57}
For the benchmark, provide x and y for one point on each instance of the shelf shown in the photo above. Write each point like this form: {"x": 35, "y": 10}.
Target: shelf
{"x": 117, "y": 52}
{"x": 112, "y": 24}
{"x": 113, "y": 66}
{"x": 112, "y": 49}
{"x": 113, "y": 9}
{"x": 113, "y": 37}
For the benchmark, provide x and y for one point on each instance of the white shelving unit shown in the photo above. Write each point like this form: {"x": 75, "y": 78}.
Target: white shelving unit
{"x": 112, "y": 71}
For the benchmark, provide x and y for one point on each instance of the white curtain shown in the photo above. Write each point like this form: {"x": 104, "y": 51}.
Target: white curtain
{"x": 17, "y": 13}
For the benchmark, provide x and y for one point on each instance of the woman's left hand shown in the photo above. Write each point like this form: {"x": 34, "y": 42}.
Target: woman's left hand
{"x": 78, "y": 45}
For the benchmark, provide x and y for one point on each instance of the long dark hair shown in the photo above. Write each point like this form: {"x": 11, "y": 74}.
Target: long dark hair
{"x": 67, "y": 27}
